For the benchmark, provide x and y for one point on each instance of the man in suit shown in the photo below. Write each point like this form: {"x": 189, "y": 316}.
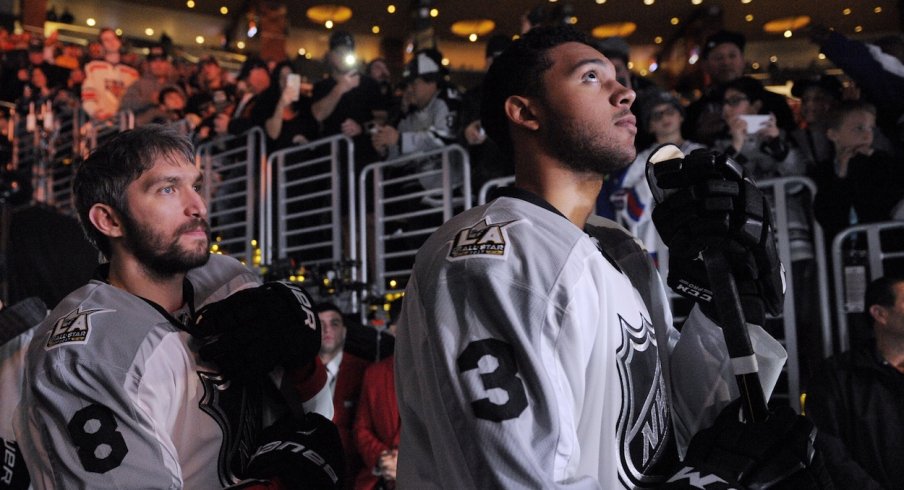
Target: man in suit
{"x": 345, "y": 372}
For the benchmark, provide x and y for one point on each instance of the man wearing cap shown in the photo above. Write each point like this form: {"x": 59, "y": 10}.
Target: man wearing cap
{"x": 142, "y": 96}
{"x": 106, "y": 80}
{"x": 723, "y": 62}
{"x": 345, "y": 101}
{"x": 431, "y": 121}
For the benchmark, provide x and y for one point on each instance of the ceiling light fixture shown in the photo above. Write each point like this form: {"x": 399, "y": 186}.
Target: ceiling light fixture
{"x": 785, "y": 24}
{"x": 334, "y": 14}
{"x": 473, "y": 27}
{"x": 621, "y": 29}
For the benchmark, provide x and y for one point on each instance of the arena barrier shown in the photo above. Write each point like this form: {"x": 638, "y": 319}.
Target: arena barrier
{"x": 311, "y": 216}
{"x": 860, "y": 254}
{"x": 233, "y": 189}
{"x": 404, "y": 213}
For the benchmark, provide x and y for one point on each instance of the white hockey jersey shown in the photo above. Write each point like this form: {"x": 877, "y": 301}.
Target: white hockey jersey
{"x": 104, "y": 86}
{"x": 532, "y": 354}
{"x": 115, "y": 395}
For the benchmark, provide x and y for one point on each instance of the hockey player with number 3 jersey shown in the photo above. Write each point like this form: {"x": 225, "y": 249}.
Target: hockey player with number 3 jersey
{"x": 536, "y": 347}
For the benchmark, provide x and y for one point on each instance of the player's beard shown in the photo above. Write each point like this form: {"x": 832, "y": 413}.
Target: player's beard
{"x": 159, "y": 256}
{"x": 583, "y": 150}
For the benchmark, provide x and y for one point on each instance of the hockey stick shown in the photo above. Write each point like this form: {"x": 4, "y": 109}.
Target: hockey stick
{"x": 725, "y": 298}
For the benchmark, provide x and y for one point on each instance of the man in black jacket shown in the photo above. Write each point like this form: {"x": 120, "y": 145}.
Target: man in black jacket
{"x": 856, "y": 400}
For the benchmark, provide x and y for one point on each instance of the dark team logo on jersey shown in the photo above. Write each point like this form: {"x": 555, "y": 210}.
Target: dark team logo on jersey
{"x": 73, "y": 328}
{"x": 644, "y": 427}
{"x": 14, "y": 473}
{"x": 237, "y": 410}
{"x": 481, "y": 239}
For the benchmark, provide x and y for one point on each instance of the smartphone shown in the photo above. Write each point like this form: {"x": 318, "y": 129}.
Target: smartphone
{"x": 755, "y": 122}
{"x": 293, "y": 85}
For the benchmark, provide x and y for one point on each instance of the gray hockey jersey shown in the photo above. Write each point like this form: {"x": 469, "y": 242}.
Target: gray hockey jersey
{"x": 534, "y": 354}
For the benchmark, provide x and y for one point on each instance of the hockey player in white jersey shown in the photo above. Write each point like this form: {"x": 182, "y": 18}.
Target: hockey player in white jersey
{"x": 164, "y": 371}
{"x": 536, "y": 347}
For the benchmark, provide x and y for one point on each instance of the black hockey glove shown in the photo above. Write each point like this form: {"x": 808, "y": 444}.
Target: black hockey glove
{"x": 706, "y": 200}
{"x": 300, "y": 454}
{"x": 251, "y": 332}
{"x": 775, "y": 454}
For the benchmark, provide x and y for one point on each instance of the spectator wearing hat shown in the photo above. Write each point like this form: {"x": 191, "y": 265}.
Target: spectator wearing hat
{"x": 817, "y": 98}
{"x": 661, "y": 115}
{"x": 346, "y": 102}
{"x": 143, "y": 95}
{"x": 431, "y": 120}
{"x": 106, "y": 81}
{"x": 723, "y": 62}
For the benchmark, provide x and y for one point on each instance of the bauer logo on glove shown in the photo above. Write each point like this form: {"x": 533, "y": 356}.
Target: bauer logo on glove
{"x": 255, "y": 330}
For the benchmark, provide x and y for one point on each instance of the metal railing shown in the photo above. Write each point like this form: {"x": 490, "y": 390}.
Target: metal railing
{"x": 854, "y": 267}
{"x": 310, "y": 186}
{"x": 405, "y": 213}
{"x": 235, "y": 172}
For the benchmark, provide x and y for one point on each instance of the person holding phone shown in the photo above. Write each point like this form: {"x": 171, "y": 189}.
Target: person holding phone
{"x": 754, "y": 139}
{"x": 292, "y": 122}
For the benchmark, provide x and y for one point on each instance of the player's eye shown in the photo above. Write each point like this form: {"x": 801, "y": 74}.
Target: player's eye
{"x": 197, "y": 187}
{"x": 590, "y": 76}
{"x": 168, "y": 189}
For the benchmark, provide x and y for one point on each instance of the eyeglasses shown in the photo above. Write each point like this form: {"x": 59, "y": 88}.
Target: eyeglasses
{"x": 734, "y": 101}
{"x": 668, "y": 111}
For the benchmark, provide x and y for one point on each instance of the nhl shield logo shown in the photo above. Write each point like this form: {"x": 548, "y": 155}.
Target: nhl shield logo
{"x": 73, "y": 328}
{"x": 644, "y": 427}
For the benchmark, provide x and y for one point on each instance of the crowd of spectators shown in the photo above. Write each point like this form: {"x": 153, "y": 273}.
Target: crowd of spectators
{"x": 847, "y": 136}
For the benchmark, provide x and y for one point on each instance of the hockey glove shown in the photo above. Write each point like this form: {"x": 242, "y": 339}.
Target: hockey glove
{"x": 251, "y": 332}
{"x": 705, "y": 200}
{"x": 300, "y": 454}
{"x": 775, "y": 454}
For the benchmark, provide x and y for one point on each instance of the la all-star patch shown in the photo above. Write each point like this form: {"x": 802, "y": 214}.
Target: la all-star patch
{"x": 481, "y": 239}
{"x": 73, "y": 328}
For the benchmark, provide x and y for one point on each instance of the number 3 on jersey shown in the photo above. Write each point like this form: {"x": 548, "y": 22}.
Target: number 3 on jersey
{"x": 504, "y": 377}
{"x": 100, "y": 446}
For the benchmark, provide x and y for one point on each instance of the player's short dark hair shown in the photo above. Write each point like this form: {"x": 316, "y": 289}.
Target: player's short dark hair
{"x": 327, "y": 306}
{"x": 519, "y": 71}
{"x": 104, "y": 176}
{"x": 835, "y": 117}
{"x": 880, "y": 291}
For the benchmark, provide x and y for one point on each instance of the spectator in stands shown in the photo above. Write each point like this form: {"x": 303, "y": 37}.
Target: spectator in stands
{"x": 345, "y": 102}
{"x": 432, "y": 124}
{"x": 344, "y": 376}
{"x": 254, "y": 104}
{"x": 661, "y": 115}
{"x": 143, "y": 95}
{"x": 106, "y": 81}
{"x": 723, "y": 61}
{"x": 817, "y": 98}
{"x": 855, "y": 400}
{"x": 487, "y": 162}
{"x": 38, "y": 58}
{"x": 292, "y": 122}
{"x": 170, "y": 106}
{"x": 378, "y": 70}
{"x": 879, "y": 74}
{"x": 214, "y": 94}
{"x": 861, "y": 184}
{"x": 377, "y": 424}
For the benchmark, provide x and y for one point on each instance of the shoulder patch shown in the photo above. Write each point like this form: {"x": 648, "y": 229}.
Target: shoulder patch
{"x": 480, "y": 239}
{"x": 73, "y": 328}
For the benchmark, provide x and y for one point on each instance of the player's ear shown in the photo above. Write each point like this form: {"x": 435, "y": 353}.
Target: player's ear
{"x": 106, "y": 220}
{"x": 879, "y": 314}
{"x": 522, "y": 112}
